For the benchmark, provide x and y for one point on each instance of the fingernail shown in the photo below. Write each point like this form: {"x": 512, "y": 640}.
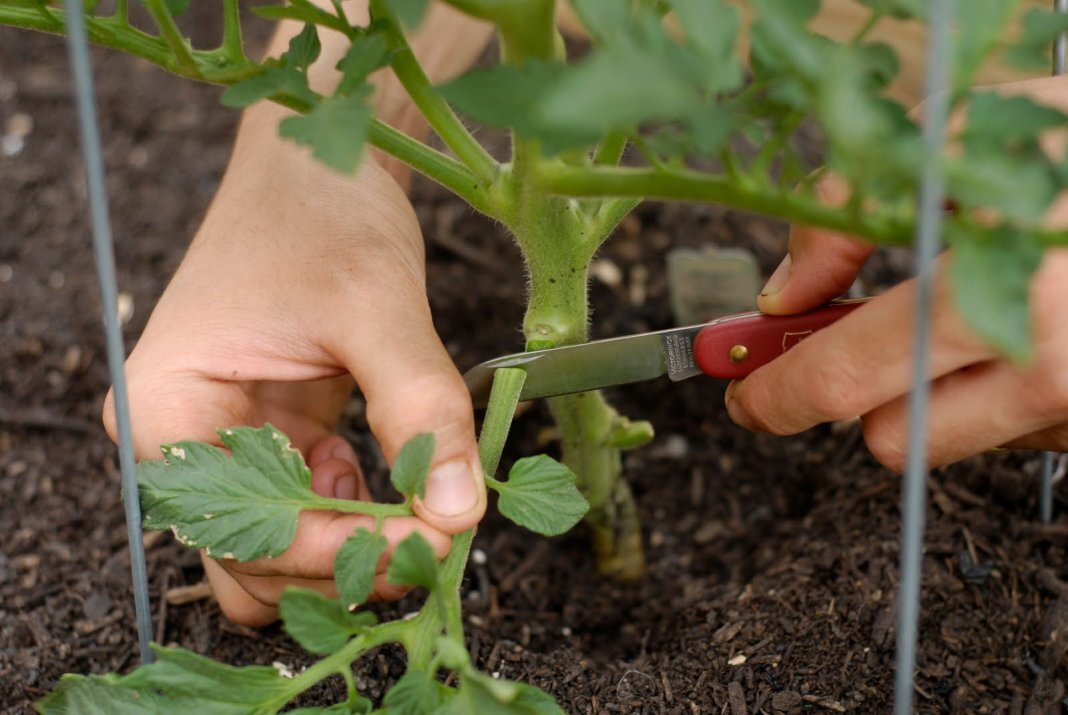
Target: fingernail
{"x": 735, "y": 410}
{"x": 344, "y": 451}
{"x": 778, "y": 278}
{"x": 451, "y": 489}
{"x": 346, "y": 487}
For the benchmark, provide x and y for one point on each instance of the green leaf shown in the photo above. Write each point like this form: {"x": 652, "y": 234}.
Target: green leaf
{"x": 504, "y": 95}
{"x": 242, "y": 507}
{"x": 1020, "y": 188}
{"x": 782, "y": 45}
{"x": 901, "y": 9}
{"x": 482, "y": 694}
{"x": 617, "y": 88}
{"x": 360, "y": 706}
{"x": 711, "y": 27}
{"x": 304, "y": 48}
{"x": 541, "y": 495}
{"x": 996, "y": 121}
{"x": 409, "y": 12}
{"x": 355, "y": 565}
{"x": 416, "y": 693}
{"x": 979, "y": 30}
{"x": 320, "y": 624}
{"x": 336, "y": 130}
{"x": 96, "y": 695}
{"x": 304, "y": 12}
{"x": 176, "y": 8}
{"x": 219, "y": 689}
{"x": 364, "y": 56}
{"x": 1039, "y": 28}
{"x": 991, "y": 277}
{"x": 605, "y": 20}
{"x": 414, "y": 563}
{"x": 411, "y": 466}
{"x": 270, "y": 81}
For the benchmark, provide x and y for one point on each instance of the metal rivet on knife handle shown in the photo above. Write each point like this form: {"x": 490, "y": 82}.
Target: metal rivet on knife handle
{"x": 738, "y": 354}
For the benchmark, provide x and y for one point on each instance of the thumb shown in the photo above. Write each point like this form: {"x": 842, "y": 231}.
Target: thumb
{"x": 819, "y": 264}
{"x": 412, "y": 386}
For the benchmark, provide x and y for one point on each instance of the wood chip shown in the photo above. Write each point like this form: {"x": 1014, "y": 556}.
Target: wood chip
{"x": 181, "y": 595}
{"x": 736, "y": 698}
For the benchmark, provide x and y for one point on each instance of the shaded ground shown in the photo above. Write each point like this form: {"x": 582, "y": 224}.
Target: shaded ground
{"x": 773, "y": 563}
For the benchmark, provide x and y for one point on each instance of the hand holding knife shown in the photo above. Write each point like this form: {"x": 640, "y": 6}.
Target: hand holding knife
{"x": 730, "y": 347}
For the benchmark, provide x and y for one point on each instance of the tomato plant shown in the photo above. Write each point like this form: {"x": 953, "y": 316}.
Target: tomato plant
{"x": 696, "y": 122}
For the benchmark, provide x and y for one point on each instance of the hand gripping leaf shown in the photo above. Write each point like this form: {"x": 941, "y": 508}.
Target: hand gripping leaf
{"x": 242, "y": 506}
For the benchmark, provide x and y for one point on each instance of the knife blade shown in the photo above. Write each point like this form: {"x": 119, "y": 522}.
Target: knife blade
{"x": 730, "y": 347}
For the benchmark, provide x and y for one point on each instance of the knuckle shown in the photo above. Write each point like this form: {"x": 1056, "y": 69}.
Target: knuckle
{"x": 436, "y": 403}
{"x": 834, "y": 389}
{"x": 885, "y": 443}
{"x": 1045, "y": 389}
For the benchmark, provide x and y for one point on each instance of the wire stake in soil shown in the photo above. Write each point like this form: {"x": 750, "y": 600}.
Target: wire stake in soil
{"x": 928, "y": 239}
{"x": 77, "y": 45}
{"x": 1045, "y": 494}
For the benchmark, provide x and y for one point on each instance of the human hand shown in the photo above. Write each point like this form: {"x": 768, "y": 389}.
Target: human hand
{"x": 300, "y": 280}
{"x": 862, "y": 365}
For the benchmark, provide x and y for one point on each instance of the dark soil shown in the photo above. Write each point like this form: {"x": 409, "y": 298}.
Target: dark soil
{"x": 773, "y": 562}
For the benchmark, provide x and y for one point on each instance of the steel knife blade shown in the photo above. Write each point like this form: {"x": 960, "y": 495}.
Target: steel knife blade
{"x": 730, "y": 347}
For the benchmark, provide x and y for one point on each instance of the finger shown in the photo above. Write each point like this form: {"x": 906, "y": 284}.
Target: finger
{"x": 970, "y": 411}
{"x": 819, "y": 264}
{"x": 321, "y": 533}
{"x": 411, "y": 387}
{"x": 853, "y": 366}
{"x": 335, "y": 470}
{"x": 169, "y": 408}
{"x": 236, "y": 603}
{"x": 1053, "y": 438}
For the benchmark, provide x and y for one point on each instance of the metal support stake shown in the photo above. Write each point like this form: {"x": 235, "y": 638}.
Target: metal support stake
{"x": 1045, "y": 495}
{"x": 928, "y": 240}
{"x": 105, "y": 266}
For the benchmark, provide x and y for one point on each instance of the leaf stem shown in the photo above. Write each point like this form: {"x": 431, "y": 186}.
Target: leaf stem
{"x": 350, "y": 684}
{"x": 681, "y": 184}
{"x": 379, "y": 511}
{"x": 172, "y": 35}
{"x": 611, "y": 149}
{"x": 867, "y": 27}
{"x": 504, "y": 396}
{"x": 435, "y": 109}
{"x": 232, "y": 45}
{"x": 122, "y": 12}
{"x": 434, "y": 165}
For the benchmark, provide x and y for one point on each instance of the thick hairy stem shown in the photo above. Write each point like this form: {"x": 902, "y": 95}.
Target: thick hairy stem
{"x": 587, "y": 425}
{"x": 591, "y": 431}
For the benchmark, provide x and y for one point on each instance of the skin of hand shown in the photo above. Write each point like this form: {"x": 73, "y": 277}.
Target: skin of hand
{"x": 299, "y": 282}
{"x": 862, "y": 364}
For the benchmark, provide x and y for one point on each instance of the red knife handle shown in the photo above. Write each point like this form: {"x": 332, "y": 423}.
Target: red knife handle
{"x": 734, "y": 347}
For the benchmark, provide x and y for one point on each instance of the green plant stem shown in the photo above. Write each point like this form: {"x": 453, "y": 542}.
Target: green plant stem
{"x": 172, "y": 35}
{"x": 610, "y": 151}
{"x": 507, "y": 386}
{"x": 379, "y": 511}
{"x": 681, "y": 184}
{"x": 232, "y": 45}
{"x": 217, "y": 67}
{"x": 434, "y": 165}
{"x": 122, "y": 12}
{"x": 445, "y": 613}
{"x": 558, "y": 248}
{"x": 586, "y": 423}
{"x": 869, "y": 25}
{"x": 350, "y": 684}
{"x": 435, "y": 109}
{"x": 116, "y": 33}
